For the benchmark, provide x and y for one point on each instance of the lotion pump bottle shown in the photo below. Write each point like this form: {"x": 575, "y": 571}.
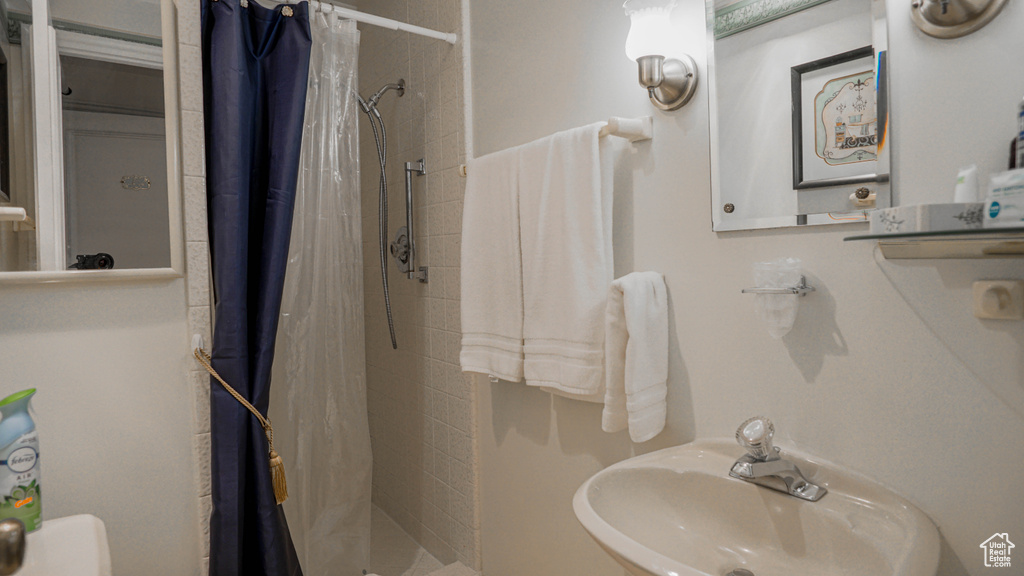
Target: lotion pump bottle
{"x": 20, "y": 491}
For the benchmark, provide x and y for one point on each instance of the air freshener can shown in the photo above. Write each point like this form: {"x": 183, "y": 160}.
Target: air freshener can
{"x": 20, "y": 482}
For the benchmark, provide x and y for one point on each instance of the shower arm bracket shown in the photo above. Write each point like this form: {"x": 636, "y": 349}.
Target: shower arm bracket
{"x": 418, "y": 167}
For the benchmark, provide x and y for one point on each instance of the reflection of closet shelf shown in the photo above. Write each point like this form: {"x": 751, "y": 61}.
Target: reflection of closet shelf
{"x": 981, "y": 243}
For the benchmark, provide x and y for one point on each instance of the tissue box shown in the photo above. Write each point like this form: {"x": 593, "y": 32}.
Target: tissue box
{"x": 928, "y": 218}
{"x": 1005, "y": 205}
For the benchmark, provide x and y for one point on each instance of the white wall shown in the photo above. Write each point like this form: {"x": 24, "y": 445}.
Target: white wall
{"x": 886, "y": 372}
{"x": 113, "y": 412}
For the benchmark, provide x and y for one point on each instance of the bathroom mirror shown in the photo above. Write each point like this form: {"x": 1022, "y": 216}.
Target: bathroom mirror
{"x": 797, "y": 96}
{"x": 95, "y": 166}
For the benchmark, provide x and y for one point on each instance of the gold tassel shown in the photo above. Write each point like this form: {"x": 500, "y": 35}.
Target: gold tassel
{"x": 276, "y": 464}
{"x": 277, "y": 474}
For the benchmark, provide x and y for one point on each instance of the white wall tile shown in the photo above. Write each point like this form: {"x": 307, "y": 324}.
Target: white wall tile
{"x": 197, "y": 252}
{"x": 199, "y": 323}
{"x": 460, "y": 445}
{"x": 461, "y": 477}
{"x": 198, "y": 273}
{"x": 190, "y": 58}
{"x": 200, "y": 382}
{"x": 201, "y": 450}
{"x": 205, "y": 511}
{"x": 195, "y": 209}
{"x": 194, "y": 146}
{"x": 188, "y": 22}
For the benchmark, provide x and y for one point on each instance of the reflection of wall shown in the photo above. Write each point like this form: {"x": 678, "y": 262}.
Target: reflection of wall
{"x": 98, "y": 86}
{"x": 102, "y": 215}
{"x": 886, "y": 370}
{"x": 17, "y": 249}
{"x": 140, "y": 17}
{"x": 135, "y": 17}
{"x": 753, "y": 77}
{"x": 8, "y": 238}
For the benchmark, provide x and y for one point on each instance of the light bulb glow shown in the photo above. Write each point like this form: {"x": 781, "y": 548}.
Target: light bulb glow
{"x": 650, "y": 31}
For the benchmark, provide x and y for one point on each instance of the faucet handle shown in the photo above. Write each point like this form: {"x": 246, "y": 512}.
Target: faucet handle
{"x": 12, "y": 545}
{"x": 755, "y": 434}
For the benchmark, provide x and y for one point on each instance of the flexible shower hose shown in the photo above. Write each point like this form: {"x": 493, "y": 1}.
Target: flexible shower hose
{"x": 382, "y": 208}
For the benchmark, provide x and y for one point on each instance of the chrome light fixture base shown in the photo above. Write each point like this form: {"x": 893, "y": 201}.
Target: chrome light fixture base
{"x": 954, "y": 18}
{"x": 670, "y": 82}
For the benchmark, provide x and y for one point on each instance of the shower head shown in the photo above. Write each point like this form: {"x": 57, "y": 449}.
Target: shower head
{"x": 372, "y": 103}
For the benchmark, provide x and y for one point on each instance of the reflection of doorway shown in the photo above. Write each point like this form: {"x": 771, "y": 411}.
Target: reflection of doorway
{"x": 115, "y": 188}
{"x": 115, "y": 167}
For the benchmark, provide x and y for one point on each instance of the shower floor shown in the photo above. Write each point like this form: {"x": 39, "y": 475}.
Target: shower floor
{"x": 395, "y": 553}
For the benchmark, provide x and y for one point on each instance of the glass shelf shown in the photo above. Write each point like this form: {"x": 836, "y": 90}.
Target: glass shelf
{"x": 977, "y": 243}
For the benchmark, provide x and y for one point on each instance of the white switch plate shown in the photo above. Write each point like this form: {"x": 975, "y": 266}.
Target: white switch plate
{"x": 999, "y": 299}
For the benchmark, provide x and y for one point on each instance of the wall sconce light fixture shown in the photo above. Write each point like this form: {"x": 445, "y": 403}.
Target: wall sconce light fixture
{"x": 954, "y": 18}
{"x": 668, "y": 74}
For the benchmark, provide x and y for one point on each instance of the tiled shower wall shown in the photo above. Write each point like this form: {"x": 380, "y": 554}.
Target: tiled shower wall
{"x": 421, "y": 417}
{"x": 197, "y": 250}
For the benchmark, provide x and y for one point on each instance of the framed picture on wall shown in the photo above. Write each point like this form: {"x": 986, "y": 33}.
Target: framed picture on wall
{"x": 734, "y": 16}
{"x": 835, "y": 120}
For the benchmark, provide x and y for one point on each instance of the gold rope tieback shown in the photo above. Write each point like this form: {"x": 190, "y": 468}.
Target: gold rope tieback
{"x": 276, "y": 464}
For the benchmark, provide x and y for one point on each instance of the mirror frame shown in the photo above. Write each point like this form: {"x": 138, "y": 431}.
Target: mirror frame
{"x": 49, "y": 165}
{"x": 885, "y": 193}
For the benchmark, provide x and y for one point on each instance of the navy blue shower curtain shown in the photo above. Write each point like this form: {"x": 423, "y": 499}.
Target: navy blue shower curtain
{"x": 255, "y": 69}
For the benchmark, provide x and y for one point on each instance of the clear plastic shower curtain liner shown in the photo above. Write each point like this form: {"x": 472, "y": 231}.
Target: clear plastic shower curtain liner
{"x": 319, "y": 403}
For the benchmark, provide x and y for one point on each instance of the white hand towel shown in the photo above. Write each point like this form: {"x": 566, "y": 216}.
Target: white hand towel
{"x": 565, "y": 228}
{"x": 636, "y": 355}
{"x": 492, "y": 289}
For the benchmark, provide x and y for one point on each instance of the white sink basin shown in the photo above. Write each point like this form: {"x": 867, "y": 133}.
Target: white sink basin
{"x": 676, "y": 512}
{"x": 69, "y": 546}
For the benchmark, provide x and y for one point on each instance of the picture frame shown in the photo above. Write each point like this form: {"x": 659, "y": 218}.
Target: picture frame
{"x": 735, "y": 16}
{"x": 838, "y": 120}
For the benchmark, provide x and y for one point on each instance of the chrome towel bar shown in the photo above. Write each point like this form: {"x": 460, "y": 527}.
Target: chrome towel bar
{"x": 632, "y": 129}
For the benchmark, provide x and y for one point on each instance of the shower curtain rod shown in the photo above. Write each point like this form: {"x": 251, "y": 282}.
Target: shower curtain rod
{"x": 382, "y": 22}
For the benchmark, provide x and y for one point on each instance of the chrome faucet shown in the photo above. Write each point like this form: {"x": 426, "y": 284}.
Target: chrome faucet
{"x": 12, "y": 546}
{"x": 762, "y": 464}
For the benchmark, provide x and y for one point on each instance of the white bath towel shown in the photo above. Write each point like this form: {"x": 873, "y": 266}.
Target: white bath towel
{"x": 636, "y": 355}
{"x": 565, "y": 233}
{"x": 492, "y": 293}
